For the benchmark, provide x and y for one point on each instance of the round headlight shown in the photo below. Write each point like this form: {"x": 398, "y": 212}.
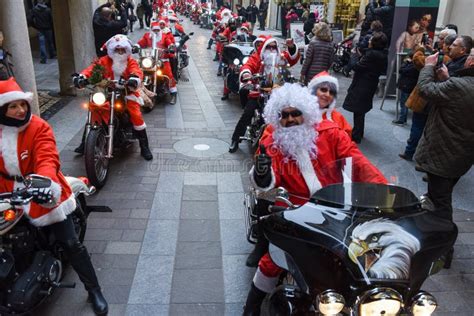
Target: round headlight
{"x": 245, "y": 60}
{"x": 423, "y": 304}
{"x": 147, "y": 62}
{"x": 236, "y": 61}
{"x": 98, "y": 98}
{"x": 381, "y": 301}
{"x": 330, "y": 302}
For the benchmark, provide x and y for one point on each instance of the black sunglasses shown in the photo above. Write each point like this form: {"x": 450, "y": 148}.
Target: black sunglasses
{"x": 294, "y": 113}
{"x": 326, "y": 89}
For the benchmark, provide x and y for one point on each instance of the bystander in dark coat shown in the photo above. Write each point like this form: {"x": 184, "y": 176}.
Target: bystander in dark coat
{"x": 320, "y": 54}
{"x": 105, "y": 26}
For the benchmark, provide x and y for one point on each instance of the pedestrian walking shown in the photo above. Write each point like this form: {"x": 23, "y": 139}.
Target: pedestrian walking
{"x": 252, "y": 13}
{"x": 364, "y": 84}
{"x": 148, "y": 12}
{"x": 262, "y": 14}
{"x": 308, "y": 27}
{"x": 129, "y": 6}
{"x": 290, "y": 17}
{"x": 446, "y": 149}
{"x": 40, "y": 18}
{"x": 140, "y": 14}
{"x": 320, "y": 53}
{"x": 241, "y": 11}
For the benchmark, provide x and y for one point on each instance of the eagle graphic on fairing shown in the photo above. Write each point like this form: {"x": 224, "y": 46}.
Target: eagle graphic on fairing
{"x": 385, "y": 249}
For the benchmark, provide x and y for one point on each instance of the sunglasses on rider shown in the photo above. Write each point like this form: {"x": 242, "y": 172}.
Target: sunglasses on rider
{"x": 294, "y": 113}
{"x": 272, "y": 47}
{"x": 326, "y": 89}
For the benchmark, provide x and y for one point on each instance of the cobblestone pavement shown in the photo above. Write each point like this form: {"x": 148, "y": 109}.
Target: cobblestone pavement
{"x": 175, "y": 243}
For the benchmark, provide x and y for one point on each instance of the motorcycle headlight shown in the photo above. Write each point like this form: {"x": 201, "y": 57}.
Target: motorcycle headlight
{"x": 147, "y": 62}
{"x": 380, "y": 301}
{"x": 245, "y": 60}
{"x": 236, "y": 61}
{"x": 98, "y": 98}
{"x": 177, "y": 44}
{"x": 330, "y": 303}
{"x": 423, "y": 304}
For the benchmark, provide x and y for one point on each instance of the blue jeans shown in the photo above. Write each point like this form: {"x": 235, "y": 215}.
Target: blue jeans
{"x": 416, "y": 131}
{"x": 403, "y": 108}
{"x": 45, "y": 38}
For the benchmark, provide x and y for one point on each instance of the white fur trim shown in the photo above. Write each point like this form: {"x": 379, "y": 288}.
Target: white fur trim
{"x": 139, "y": 127}
{"x": 118, "y": 40}
{"x": 243, "y": 72}
{"x": 14, "y": 96}
{"x": 134, "y": 98}
{"x": 268, "y": 42}
{"x": 292, "y": 95}
{"x": 318, "y": 80}
{"x": 173, "y": 89}
{"x": 295, "y": 56}
{"x": 56, "y": 191}
{"x": 256, "y": 186}
{"x": 264, "y": 283}
{"x": 57, "y": 214}
{"x": 307, "y": 171}
{"x": 136, "y": 79}
{"x": 258, "y": 39}
{"x": 10, "y": 150}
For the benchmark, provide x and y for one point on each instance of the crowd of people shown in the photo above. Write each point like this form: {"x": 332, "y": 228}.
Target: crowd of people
{"x": 304, "y": 130}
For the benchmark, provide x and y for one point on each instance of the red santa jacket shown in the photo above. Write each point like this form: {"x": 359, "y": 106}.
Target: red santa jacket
{"x": 339, "y": 119}
{"x": 332, "y": 144}
{"x": 132, "y": 68}
{"x": 167, "y": 39}
{"x": 32, "y": 149}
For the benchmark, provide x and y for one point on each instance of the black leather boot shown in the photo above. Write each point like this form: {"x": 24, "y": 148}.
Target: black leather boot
{"x": 173, "y": 98}
{"x": 448, "y": 259}
{"x": 143, "y": 141}
{"x": 81, "y": 262}
{"x": 209, "y": 44}
{"x": 225, "y": 97}
{"x": 80, "y": 149}
{"x": 216, "y": 57}
{"x": 261, "y": 248}
{"x": 254, "y": 301}
{"x": 234, "y": 146}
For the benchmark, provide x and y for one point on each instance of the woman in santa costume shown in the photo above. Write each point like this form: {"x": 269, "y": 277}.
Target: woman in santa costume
{"x": 118, "y": 63}
{"x": 161, "y": 37}
{"x": 292, "y": 156}
{"x": 28, "y": 146}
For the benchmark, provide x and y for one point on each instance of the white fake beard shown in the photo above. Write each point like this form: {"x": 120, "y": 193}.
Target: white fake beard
{"x": 270, "y": 61}
{"x": 294, "y": 140}
{"x": 119, "y": 64}
{"x": 157, "y": 38}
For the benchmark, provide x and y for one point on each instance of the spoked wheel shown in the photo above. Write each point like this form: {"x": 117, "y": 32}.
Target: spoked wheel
{"x": 97, "y": 163}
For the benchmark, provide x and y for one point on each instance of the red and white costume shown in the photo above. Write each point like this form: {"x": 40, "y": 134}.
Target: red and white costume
{"x": 254, "y": 64}
{"x": 302, "y": 175}
{"x": 29, "y": 149}
{"x": 178, "y": 28}
{"x": 132, "y": 69}
{"x": 164, "y": 42}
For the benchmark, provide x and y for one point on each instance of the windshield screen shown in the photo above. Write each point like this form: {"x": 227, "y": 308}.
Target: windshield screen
{"x": 355, "y": 183}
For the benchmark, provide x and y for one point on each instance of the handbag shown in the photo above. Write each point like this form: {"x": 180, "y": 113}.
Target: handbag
{"x": 415, "y": 101}
{"x": 133, "y": 18}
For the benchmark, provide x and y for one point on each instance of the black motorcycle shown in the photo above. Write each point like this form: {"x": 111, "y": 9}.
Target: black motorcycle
{"x": 353, "y": 248}
{"x": 181, "y": 59}
{"x": 32, "y": 262}
{"x": 234, "y": 56}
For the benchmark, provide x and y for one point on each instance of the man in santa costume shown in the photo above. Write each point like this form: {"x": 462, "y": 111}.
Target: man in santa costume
{"x": 119, "y": 64}
{"x": 269, "y": 57}
{"x": 291, "y": 156}
{"x": 325, "y": 88}
{"x": 176, "y": 28}
{"x": 161, "y": 37}
{"x": 28, "y": 146}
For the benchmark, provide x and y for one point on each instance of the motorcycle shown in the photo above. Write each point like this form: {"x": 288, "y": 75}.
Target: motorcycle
{"x": 207, "y": 19}
{"x": 155, "y": 83}
{"x": 195, "y": 15}
{"x": 108, "y": 127}
{"x": 182, "y": 58}
{"x": 342, "y": 53}
{"x": 353, "y": 248}
{"x": 261, "y": 87}
{"x": 234, "y": 56}
{"x": 32, "y": 260}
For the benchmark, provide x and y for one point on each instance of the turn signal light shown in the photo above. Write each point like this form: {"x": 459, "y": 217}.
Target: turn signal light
{"x": 9, "y": 215}
{"x": 118, "y": 106}
{"x": 159, "y": 73}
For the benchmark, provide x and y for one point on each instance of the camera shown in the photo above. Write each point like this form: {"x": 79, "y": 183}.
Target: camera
{"x": 424, "y": 39}
{"x": 439, "y": 62}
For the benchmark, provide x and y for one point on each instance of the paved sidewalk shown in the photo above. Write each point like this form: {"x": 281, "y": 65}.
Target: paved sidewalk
{"x": 175, "y": 241}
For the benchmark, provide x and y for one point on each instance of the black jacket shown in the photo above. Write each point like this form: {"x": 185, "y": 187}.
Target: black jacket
{"x": 366, "y": 78}
{"x": 385, "y": 15}
{"x": 242, "y": 12}
{"x": 41, "y": 18}
{"x": 455, "y": 65}
{"x": 263, "y": 8}
{"x": 105, "y": 29}
{"x": 408, "y": 77}
{"x": 252, "y": 12}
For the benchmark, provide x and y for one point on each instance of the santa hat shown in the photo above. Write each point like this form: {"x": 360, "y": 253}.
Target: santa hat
{"x": 173, "y": 18}
{"x": 117, "y": 41}
{"x": 155, "y": 26}
{"x": 245, "y": 26}
{"x": 267, "y": 41}
{"x": 11, "y": 91}
{"x": 164, "y": 20}
{"x": 226, "y": 15}
{"x": 295, "y": 96}
{"x": 260, "y": 38}
{"x": 320, "y": 79}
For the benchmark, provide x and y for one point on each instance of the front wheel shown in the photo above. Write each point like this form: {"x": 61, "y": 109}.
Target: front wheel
{"x": 97, "y": 163}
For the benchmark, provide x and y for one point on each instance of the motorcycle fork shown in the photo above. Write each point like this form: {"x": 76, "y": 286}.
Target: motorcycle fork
{"x": 110, "y": 136}
{"x": 89, "y": 120}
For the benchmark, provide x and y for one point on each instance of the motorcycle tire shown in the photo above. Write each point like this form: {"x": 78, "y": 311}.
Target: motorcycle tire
{"x": 275, "y": 304}
{"x": 97, "y": 165}
{"x": 336, "y": 67}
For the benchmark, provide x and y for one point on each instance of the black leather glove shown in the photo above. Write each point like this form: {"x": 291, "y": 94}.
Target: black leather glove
{"x": 133, "y": 82}
{"x": 80, "y": 81}
{"x": 263, "y": 162}
{"x": 135, "y": 49}
{"x": 42, "y": 195}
